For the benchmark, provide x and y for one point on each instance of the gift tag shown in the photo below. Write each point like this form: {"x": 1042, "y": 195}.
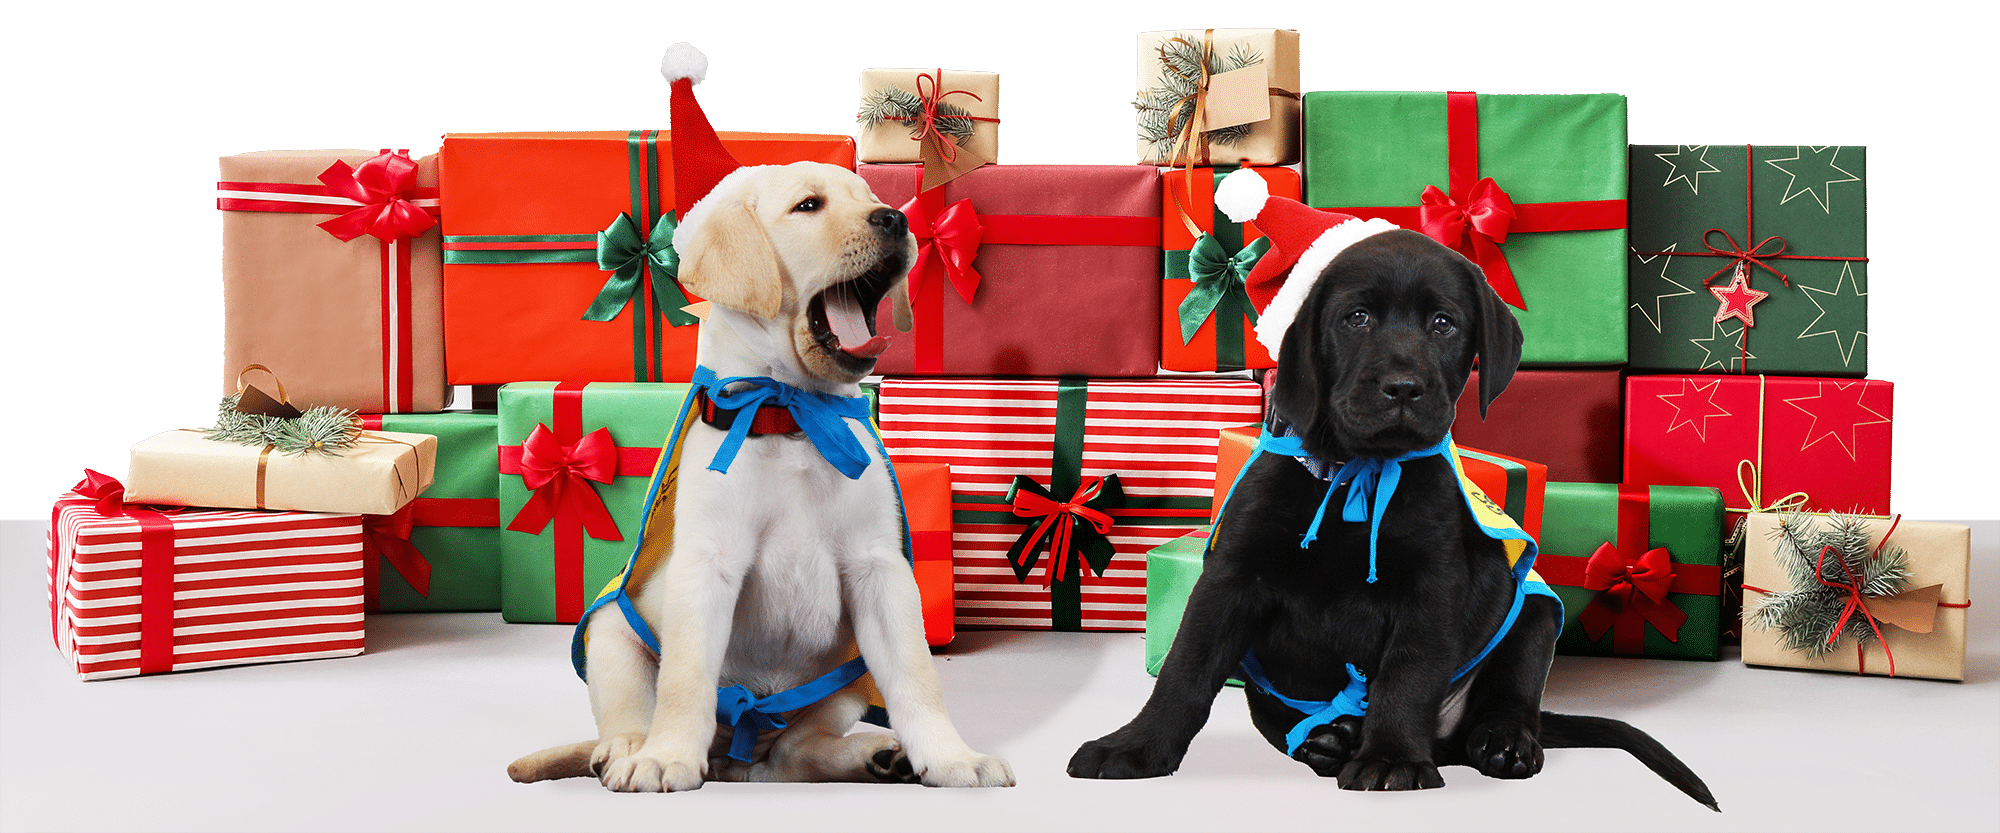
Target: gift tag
{"x": 1240, "y": 96}
{"x": 254, "y": 400}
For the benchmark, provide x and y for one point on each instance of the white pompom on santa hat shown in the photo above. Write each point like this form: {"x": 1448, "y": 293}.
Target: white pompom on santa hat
{"x": 1304, "y": 240}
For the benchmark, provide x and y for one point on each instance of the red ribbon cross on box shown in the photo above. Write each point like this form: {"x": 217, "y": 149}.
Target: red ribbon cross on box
{"x": 1632, "y": 579}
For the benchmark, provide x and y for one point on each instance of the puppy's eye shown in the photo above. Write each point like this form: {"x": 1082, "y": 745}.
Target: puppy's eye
{"x": 1357, "y": 318}
{"x": 808, "y": 205}
{"x": 1443, "y": 325}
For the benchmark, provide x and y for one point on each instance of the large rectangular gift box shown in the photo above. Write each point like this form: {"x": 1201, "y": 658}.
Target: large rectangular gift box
{"x": 902, "y": 110}
{"x": 1638, "y": 568}
{"x": 139, "y": 589}
{"x": 575, "y": 462}
{"x": 1530, "y": 187}
{"x": 1029, "y": 270}
{"x": 1571, "y": 420}
{"x": 558, "y": 261}
{"x": 1206, "y": 320}
{"x": 330, "y": 276}
{"x": 1768, "y": 245}
{"x": 1913, "y": 628}
{"x": 1133, "y": 460}
{"x": 1218, "y": 97}
{"x": 1822, "y": 444}
{"x": 442, "y": 550}
{"x": 377, "y": 475}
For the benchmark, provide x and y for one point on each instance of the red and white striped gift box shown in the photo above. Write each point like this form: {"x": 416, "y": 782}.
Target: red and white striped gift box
{"x": 143, "y": 591}
{"x": 1157, "y": 435}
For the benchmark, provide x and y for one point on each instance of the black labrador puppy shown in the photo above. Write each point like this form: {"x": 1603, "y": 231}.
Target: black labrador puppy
{"x": 1372, "y": 367}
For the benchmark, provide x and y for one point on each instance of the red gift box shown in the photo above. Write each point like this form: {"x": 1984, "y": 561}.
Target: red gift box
{"x": 926, "y": 489}
{"x": 1572, "y": 421}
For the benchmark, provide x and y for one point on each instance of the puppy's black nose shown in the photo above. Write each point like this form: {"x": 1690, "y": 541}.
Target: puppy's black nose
{"x": 890, "y": 221}
{"x": 1402, "y": 389}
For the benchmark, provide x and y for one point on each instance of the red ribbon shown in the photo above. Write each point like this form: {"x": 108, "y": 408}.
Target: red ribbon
{"x": 384, "y": 186}
{"x": 1059, "y": 520}
{"x": 1475, "y": 226}
{"x": 1856, "y": 601}
{"x": 156, "y": 567}
{"x": 387, "y": 538}
{"x": 928, "y": 87}
{"x": 1632, "y": 580}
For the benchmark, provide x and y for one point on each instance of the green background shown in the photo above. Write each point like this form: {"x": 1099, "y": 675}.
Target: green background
{"x": 117, "y": 115}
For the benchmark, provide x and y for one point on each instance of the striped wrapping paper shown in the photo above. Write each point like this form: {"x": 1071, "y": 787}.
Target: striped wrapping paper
{"x": 245, "y": 587}
{"x": 1157, "y": 435}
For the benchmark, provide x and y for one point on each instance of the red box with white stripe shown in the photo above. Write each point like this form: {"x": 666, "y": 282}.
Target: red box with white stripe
{"x": 145, "y": 590}
{"x": 1061, "y": 486}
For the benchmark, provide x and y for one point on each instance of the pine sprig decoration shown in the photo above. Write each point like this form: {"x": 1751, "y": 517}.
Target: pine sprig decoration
{"x": 1807, "y": 615}
{"x": 895, "y": 104}
{"x": 320, "y": 430}
{"x": 1165, "y": 108}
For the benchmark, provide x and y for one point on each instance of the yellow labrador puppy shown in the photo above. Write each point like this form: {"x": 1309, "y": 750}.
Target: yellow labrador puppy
{"x": 783, "y": 567}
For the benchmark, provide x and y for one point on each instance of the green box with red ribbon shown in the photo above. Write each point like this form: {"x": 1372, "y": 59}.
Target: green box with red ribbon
{"x": 1530, "y": 187}
{"x": 1750, "y": 259}
{"x": 1206, "y": 319}
{"x": 1639, "y": 568}
{"x": 575, "y": 460}
{"x": 441, "y": 552}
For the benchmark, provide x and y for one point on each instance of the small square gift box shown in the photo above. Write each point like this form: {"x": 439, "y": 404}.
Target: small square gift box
{"x": 1856, "y": 595}
{"x": 441, "y": 551}
{"x": 1206, "y": 318}
{"x": 1638, "y": 569}
{"x": 1749, "y": 259}
{"x": 1529, "y": 187}
{"x": 1061, "y": 486}
{"x": 1172, "y": 569}
{"x": 1028, "y": 270}
{"x": 934, "y": 116}
{"x": 330, "y": 276}
{"x": 137, "y": 589}
{"x": 1571, "y": 420}
{"x": 1218, "y": 97}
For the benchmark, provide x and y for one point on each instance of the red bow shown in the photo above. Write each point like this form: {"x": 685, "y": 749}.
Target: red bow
{"x": 103, "y": 488}
{"x": 1738, "y": 255}
{"x": 1855, "y": 599}
{"x": 947, "y": 242}
{"x": 1475, "y": 228}
{"x": 558, "y": 474}
{"x": 388, "y": 537}
{"x": 382, "y": 185}
{"x": 1061, "y": 518}
{"x": 1631, "y": 593}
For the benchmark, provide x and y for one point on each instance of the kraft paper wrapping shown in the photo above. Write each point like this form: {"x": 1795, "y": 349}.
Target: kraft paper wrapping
{"x": 310, "y": 307}
{"x": 892, "y": 141}
{"x": 1939, "y": 553}
{"x": 377, "y": 475}
{"x": 1274, "y": 141}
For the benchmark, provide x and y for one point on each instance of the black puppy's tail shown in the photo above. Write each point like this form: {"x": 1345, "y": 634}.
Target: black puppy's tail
{"x": 1573, "y": 731}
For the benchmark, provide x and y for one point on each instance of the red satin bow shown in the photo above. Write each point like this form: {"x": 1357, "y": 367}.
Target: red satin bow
{"x": 388, "y": 537}
{"x": 1737, "y": 254}
{"x": 1475, "y": 228}
{"x": 382, "y": 186}
{"x": 947, "y": 242}
{"x": 559, "y": 476}
{"x": 1059, "y": 519}
{"x": 103, "y": 488}
{"x": 1631, "y": 593}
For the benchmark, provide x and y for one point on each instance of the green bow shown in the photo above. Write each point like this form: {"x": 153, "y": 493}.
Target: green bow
{"x": 1218, "y": 277}
{"x": 626, "y": 256}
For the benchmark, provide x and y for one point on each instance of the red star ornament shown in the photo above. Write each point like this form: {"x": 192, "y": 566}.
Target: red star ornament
{"x": 1737, "y": 298}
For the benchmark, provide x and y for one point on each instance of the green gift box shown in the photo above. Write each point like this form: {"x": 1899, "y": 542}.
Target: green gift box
{"x": 576, "y": 459}
{"x": 1172, "y": 569}
{"x": 1749, "y": 259}
{"x": 1530, "y": 187}
{"x": 1638, "y": 568}
{"x": 453, "y": 528}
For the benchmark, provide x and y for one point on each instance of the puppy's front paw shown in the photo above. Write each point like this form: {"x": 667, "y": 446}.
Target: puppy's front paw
{"x": 1117, "y": 756}
{"x": 1504, "y": 749}
{"x": 1377, "y": 774}
{"x": 647, "y": 774}
{"x": 974, "y": 770}
{"x": 1330, "y": 747}
{"x": 613, "y": 748}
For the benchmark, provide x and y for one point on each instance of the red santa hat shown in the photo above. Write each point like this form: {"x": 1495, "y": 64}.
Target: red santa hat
{"x": 1304, "y": 240}
{"x": 700, "y": 160}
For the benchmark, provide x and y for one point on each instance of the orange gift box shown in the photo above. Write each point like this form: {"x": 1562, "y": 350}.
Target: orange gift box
{"x": 531, "y": 212}
{"x": 1226, "y": 338}
{"x": 927, "y": 506}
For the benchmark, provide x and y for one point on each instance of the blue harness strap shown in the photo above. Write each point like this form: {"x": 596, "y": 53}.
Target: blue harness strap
{"x": 747, "y": 714}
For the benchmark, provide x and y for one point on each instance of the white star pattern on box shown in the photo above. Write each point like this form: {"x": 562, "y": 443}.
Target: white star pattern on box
{"x": 1695, "y": 160}
{"x": 1732, "y": 353}
{"x": 1844, "y": 411}
{"x": 1847, "y": 347}
{"x": 1694, "y": 406}
{"x": 1665, "y": 261}
{"x": 1817, "y": 167}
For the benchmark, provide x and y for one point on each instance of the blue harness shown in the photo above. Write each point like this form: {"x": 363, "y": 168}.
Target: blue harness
{"x": 1371, "y": 483}
{"x": 821, "y": 417}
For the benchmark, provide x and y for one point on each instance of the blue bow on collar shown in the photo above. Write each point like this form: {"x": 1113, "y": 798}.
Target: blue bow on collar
{"x": 1371, "y": 483}
{"x": 819, "y": 415}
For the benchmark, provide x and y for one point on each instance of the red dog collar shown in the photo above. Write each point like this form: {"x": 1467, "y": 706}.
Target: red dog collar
{"x": 770, "y": 419}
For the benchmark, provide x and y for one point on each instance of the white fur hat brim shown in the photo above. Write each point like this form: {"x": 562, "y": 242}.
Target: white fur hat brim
{"x": 1276, "y": 317}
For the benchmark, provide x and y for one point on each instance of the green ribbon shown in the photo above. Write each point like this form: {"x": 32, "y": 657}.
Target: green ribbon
{"x": 622, "y": 252}
{"x": 1218, "y": 283}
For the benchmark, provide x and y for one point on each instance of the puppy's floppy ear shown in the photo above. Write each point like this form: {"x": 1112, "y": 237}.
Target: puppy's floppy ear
{"x": 1499, "y": 340}
{"x": 1298, "y": 395}
{"x": 732, "y": 262}
{"x": 900, "y": 306}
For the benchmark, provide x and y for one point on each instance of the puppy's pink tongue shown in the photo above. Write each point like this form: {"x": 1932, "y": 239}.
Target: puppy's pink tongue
{"x": 844, "y": 318}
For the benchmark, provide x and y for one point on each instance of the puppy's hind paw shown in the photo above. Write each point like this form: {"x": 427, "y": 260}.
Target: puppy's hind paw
{"x": 891, "y": 766}
{"x": 1330, "y": 747}
{"x": 1369, "y": 774}
{"x": 1504, "y": 749}
{"x": 1113, "y": 757}
{"x": 974, "y": 771}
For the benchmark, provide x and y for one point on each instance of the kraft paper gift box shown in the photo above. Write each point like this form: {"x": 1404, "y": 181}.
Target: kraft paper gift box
{"x": 1921, "y": 626}
{"x": 377, "y": 475}
{"x": 441, "y": 552}
{"x": 558, "y": 263}
{"x": 330, "y": 276}
{"x": 136, "y": 589}
{"x": 1529, "y": 187}
{"x": 1206, "y": 320}
{"x": 1638, "y": 568}
{"x": 926, "y": 491}
{"x": 1028, "y": 270}
{"x": 575, "y": 462}
{"x": 1572, "y": 421}
{"x": 1749, "y": 259}
{"x": 1134, "y": 460}
{"x": 1763, "y": 439}
{"x": 1218, "y": 97}
{"x": 894, "y": 125}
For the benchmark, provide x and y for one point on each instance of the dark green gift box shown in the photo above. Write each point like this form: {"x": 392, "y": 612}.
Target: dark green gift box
{"x": 1638, "y": 568}
{"x": 1791, "y": 219}
{"x": 455, "y": 524}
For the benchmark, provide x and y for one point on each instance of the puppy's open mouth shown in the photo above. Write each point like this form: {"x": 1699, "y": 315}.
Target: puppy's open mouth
{"x": 842, "y": 316}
